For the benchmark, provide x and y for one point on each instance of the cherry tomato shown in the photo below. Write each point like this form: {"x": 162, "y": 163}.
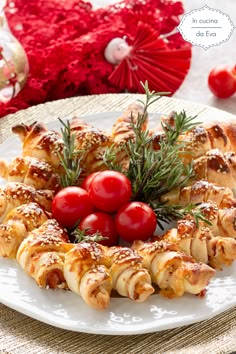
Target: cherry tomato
{"x": 71, "y": 204}
{"x": 102, "y": 223}
{"x": 135, "y": 221}
{"x": 222, "y": 81}
{"x": 109, "y": 190}
{"x": 86, "y": 182}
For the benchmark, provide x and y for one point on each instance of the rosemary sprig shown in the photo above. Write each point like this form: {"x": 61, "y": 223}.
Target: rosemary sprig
{"x": 182, "y": 124}
{"x": 70, "y": 157}
{"x": 153, "y": 173}
{"x": 109, "y": 158}
{"x": 168, "y": 213}
{"x": 151, "y": 97}
{"x": 81, "y": 236}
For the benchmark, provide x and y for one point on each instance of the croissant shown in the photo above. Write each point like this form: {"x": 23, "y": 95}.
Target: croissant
{"x": 198, "y": 192}
{"x": 200, "y": 243}
{"x": 92, "y": 143}
{"x": 129, "y": 277}
{"x": 41, "y": 254}
{"x": 202, "y": 138}
{"x": 223, "y": 221}
{"x": 17, "y": 224}
{"x": 172, "y": 270}
{"x": 38, "y": 141}
{"x": 216, "y": 167}
{"x": 122, "y": 128}
{"x": 31, "y": 171}
{"x": 87, "y": 274}
{"x": 122, "y": 131}
{"x": 221, "y": 136}
{"x": 14, "y": 194}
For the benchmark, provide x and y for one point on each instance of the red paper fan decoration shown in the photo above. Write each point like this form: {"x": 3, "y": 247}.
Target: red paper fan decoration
{"x": 148, "y": 58}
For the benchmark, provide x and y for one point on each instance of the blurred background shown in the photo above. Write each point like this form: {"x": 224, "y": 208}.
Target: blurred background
{"x": 58, "y": 49}
{"x": 195, "y": 87}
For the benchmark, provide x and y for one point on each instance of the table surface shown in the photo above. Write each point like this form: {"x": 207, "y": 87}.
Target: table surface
{"x": 20, "y": 334}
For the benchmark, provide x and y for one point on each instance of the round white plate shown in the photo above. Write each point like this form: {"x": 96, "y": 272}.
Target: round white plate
{"x": 66, "y": 310}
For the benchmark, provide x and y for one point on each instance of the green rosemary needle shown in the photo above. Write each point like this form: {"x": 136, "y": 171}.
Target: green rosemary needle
{"x": 70, "y": 157}
{"x": 81, "y": 236}
{"x": 152, "y": 172}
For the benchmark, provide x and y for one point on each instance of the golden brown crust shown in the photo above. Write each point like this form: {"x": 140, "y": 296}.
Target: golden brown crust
{"x": 15, "y": 194}
{"x": 39, "y": 142}
{"x": 92, "y": 143}
{"x": 206, "y": 244}
{"x": 122, "y": 131}
{"x": 31, "y": 171}
{"x": 201, "y": 191}
{"x": 87, "y": 274}
{"x": 216, "y": 167}
{"x": 129, "y": 277}
{"x": 42, "y": 253}
{"x": 172, "y": 270}
{"x": 202, "y": 138}
{"x": 16, "y": 226}
{"x": 223, "y": 221}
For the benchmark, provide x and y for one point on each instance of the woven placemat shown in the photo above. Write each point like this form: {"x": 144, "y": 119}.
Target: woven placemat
{"x": 20, "y": 334}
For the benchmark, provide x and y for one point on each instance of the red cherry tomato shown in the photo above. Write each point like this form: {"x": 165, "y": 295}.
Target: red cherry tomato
{"x": 86, "y": 182}
{"x": 71, "y": 204}
{"x": 135, "y": 221}
{"x": 102, "y": 223}
{"x": 109, "y": 190}
{"x": 222, "y": 81}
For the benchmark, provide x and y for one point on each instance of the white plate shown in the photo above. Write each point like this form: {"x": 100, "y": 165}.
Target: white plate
{"x": 66, "y": 310}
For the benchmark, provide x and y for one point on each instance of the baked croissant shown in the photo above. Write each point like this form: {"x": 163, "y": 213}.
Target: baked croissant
{"x": 31, "y": 171}
{"x": 87, "y": 274}
{"x": 38, "y": 141}
{"x": 202, "y": 244}
{"x": 122, "y": 131}
{"x": 223, "y": 221}
{"x": 198, "y": 192}
{"x": 172, "y": 270}
{"x": 216, "y": 167}
{"x": 16, "y": 226}
{"x": 202, "y": 138}
{"x": 41, "y": 254}
{"x": 221, "y": 136}
{"x": 129, "y": 277}
{"x": 122, "y": 128}
{"x": 92, "y": 143}
{"x": 14, "y": 194}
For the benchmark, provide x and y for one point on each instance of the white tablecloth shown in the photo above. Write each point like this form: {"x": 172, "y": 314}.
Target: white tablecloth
{"x": 195, "y": 88}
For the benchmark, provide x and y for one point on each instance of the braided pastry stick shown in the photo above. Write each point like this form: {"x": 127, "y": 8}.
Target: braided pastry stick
{"x": 216, "y": 167}
{"x": 31, "y": 171}
{"x": 38, "y": 141}
{"x": 87, "y": 274}
{"x": 198, "y": 192}
{"x": 92, "y": 142}
{"x": 15, "y": 194}
{"x": 172, "y": 270}
{"x": 129, "y": 277}
{"x": 202, "y": 244}
{"x": 41, "y": 254}
{"x": 16, "y": 226}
